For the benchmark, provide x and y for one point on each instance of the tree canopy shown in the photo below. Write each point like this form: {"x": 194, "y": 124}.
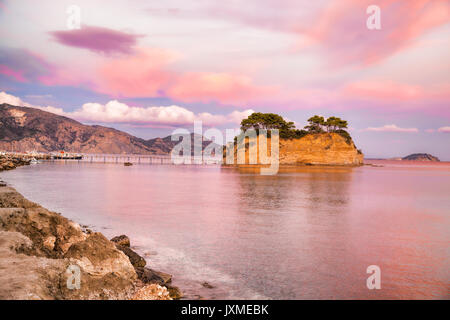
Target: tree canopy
{"x": 258, "y": 120}
{"x": 331, "y": 124}
{"x": 316, "y": 124}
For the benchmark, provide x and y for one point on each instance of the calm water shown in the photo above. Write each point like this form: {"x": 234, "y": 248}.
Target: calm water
{"x": 308, "y": 233}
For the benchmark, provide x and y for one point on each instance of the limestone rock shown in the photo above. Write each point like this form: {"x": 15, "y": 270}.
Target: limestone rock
{"x": 50, "y": 233}
{"x": 121, "y": 240}
{"x": 147, "y": 275}
{"x": 174, "y": 292}
{"x": 135, "y": 259}
{"x": 315, "y": 149}
{"x": 104, "y": 270}
{"x": 152, "y": 292}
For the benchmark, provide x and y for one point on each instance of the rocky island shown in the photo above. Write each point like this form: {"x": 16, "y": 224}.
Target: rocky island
{"x": 321, "y": 142}
{"x": 421, "y": 157}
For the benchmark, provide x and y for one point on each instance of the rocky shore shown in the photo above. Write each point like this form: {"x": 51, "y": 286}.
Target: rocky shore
{"x": 9, "y": 162}
{"x": 44, "y": 255}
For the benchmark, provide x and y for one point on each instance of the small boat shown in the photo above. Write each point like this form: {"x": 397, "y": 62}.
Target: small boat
{"x": 127, "y": 164}
{"x": 33, "y": 161}
{"x": 62, "y": 155}
{"x": 67, "y": 157}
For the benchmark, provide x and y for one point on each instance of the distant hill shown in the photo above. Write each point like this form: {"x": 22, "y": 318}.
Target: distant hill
{"x": 421, "y": 157}
{"x": 27, "y": 129}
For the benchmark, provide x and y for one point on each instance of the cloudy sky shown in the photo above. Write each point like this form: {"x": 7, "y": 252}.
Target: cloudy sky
{"x": 147, "y": 67}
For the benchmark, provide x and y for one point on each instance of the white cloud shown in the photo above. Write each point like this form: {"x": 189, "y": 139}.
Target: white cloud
{"x": 12, "y": 100}
{"x": 444, "y": 129}
{"x": 391, "y": 128}
{"x": 117, "y": 112}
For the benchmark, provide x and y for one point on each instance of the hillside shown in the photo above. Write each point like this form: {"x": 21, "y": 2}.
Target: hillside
{"x": 421, "y": 157}
{"x": 26, "y": 129}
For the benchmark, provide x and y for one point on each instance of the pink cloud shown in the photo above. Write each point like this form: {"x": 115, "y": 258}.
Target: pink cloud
{"x": 220, "y": 87}
{"x": 342, "y": 33}
{"x": 392, "y": 128}
{"x": 444, "y": 129}
{"x": 149, "y": 73}
{"x": 23, "y": 65}
{"x": 144, "y": 74}
{"x": 383, "y": 90}
{"x": 15, "y": 74}
{"x": 336, "y": 28}
{"x": 97, "y": 39}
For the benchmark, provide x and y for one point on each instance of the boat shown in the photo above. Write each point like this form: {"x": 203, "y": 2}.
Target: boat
{"x": 33, "y": 161}
{"x": 66, "y": 156}
{"x": 127, "y": 164}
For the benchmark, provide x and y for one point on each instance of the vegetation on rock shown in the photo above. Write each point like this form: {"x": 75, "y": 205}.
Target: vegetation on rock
{"x": 316, "y": 124}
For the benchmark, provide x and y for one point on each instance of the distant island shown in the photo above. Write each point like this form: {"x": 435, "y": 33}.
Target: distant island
{"x": 421, "y": 157}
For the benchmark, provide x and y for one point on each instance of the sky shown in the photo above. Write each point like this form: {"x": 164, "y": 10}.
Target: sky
{"x": 148, "y": 67}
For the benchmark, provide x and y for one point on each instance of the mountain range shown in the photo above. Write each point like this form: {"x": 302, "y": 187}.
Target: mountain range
{"x": 30, "y": 129}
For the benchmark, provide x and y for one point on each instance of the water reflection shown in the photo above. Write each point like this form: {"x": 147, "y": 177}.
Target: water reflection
{"x": 307, "y": 232}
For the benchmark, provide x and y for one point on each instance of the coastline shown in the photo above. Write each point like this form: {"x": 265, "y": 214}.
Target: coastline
{"x": 41, "y": 252}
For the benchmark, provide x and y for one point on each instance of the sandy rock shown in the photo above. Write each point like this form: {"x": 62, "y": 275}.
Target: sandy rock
{"x": 147, "y": 275}
{"x": 98, "y": 256}
{"x": 25, "y": 277}
{"x": 49, "y": 242}
{"x": 320, "y": 149}
{"x": 174, "y": 292}
{"x": 207, "y": 285}
{"x": 42, "y": 255}
{"x": 105, "y": 271}
{"x": 51, "y": 234}
{"x": 121, "y": 240}
{"x": 152, "y": 292}
{"x": 9, "y": 162}
{"x": 315, "y": 149}
{"x": 135, "y": 259}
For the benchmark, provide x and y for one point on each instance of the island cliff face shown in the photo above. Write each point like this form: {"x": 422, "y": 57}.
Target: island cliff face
{"x": 320, "y": 149}
{"x": 313, "y": 149}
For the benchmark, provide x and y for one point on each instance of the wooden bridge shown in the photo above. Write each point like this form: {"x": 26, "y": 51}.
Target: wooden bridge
{"x": 143, "y": 159}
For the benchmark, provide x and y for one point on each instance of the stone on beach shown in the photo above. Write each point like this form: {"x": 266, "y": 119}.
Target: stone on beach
{"x": 121, "y": 240}
{"x": 135, "y": 259}
{"x": 152, "y": 292}
{"x": 147, "y": 275}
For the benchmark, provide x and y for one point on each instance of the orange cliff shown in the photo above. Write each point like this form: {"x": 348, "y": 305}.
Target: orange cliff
{"x": 314, "y": 149}
{"x": 320, "y": 149}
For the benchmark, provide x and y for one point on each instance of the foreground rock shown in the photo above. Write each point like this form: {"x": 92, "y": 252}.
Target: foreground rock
{"x": 146, "y": 276}
{"x": 121, "y": 240}
{"x": 152, "y": 292}
{"x": 41, "y": 253}
{"x": 135, "y": 259}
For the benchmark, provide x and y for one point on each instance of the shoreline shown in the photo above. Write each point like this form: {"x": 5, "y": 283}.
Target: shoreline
{"x": 41, "y": 252}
